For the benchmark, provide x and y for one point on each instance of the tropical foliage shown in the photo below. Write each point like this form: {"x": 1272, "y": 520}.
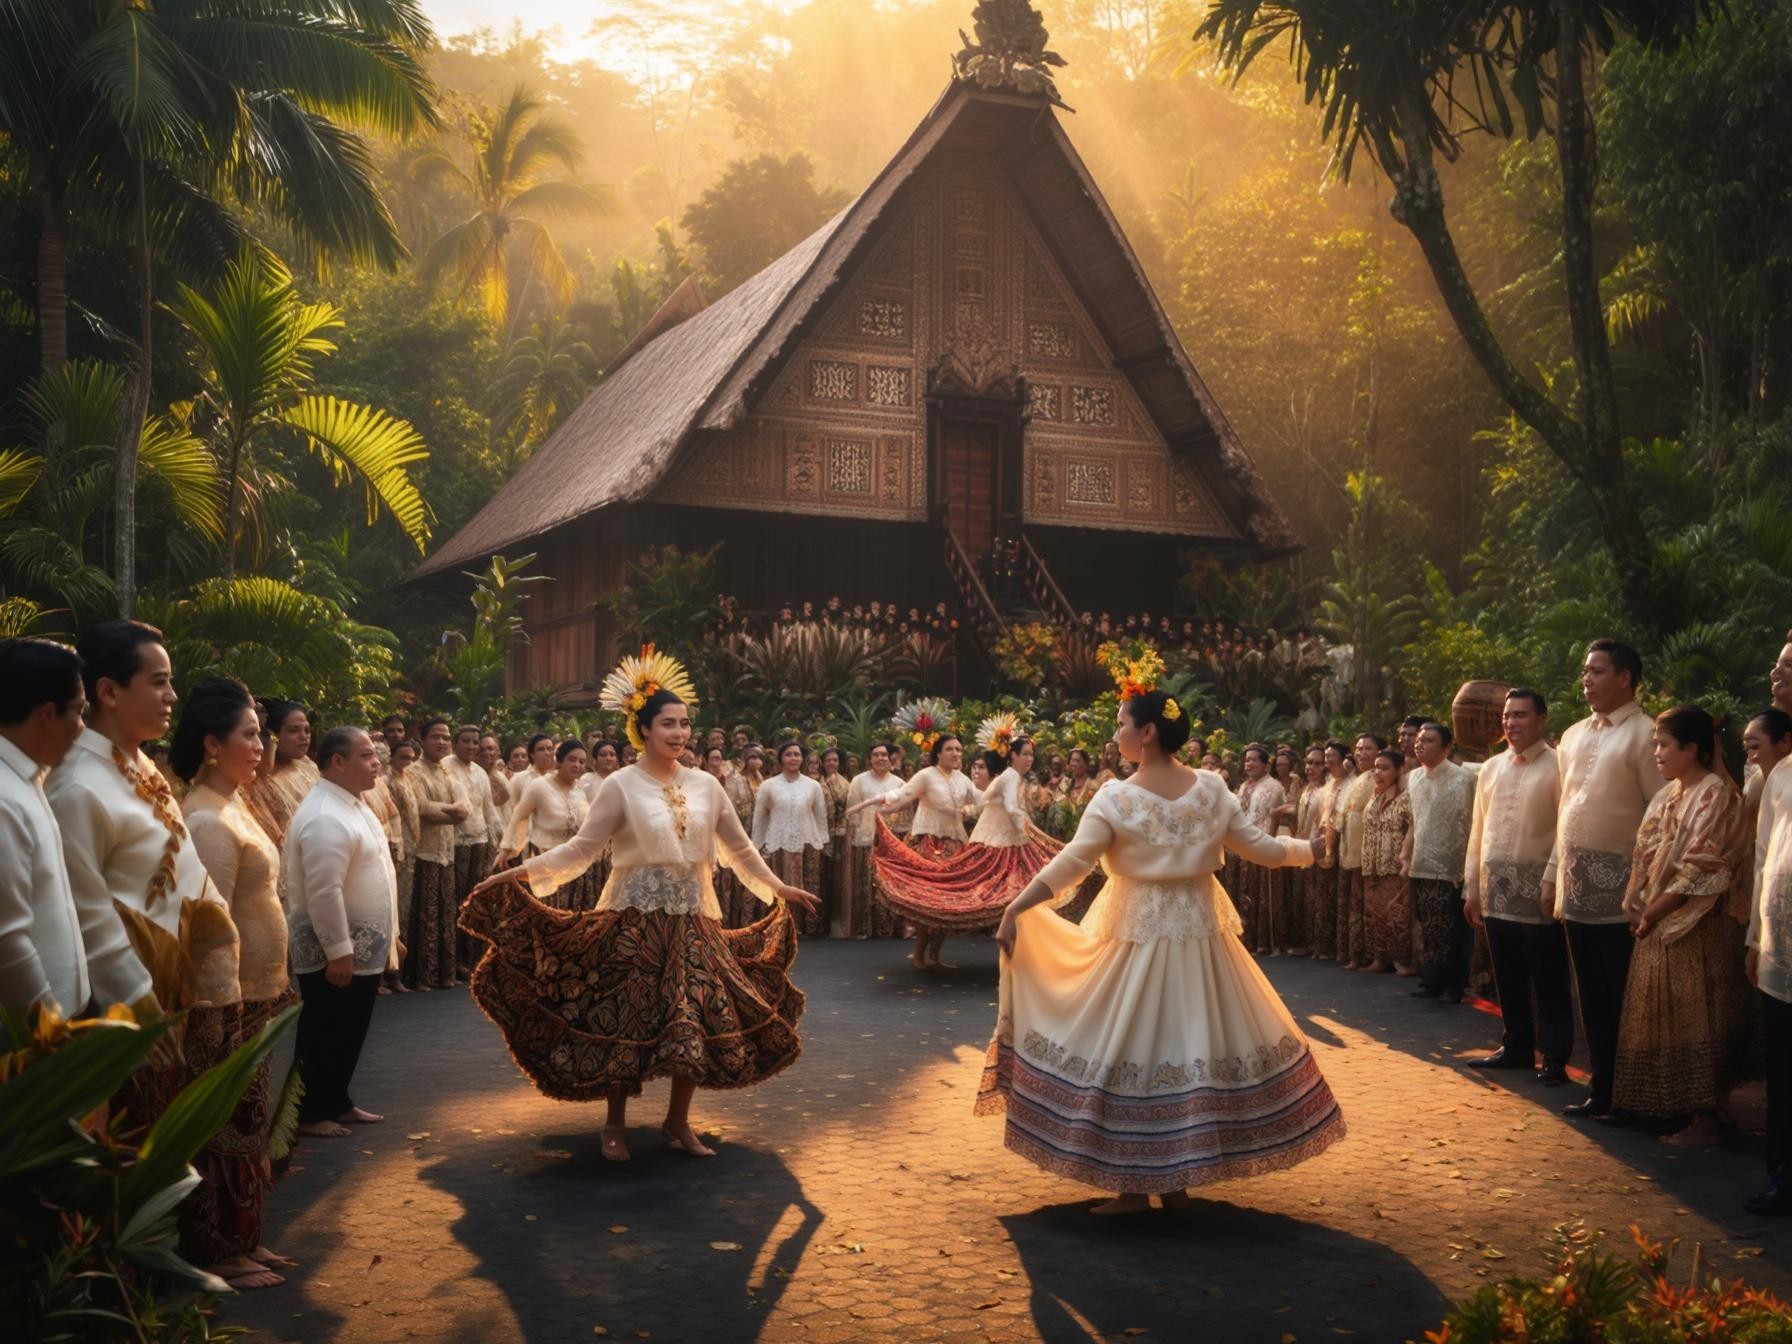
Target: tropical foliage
{"x": 91, "y": 1209}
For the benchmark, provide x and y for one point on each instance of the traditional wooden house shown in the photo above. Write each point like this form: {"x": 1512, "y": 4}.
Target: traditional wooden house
{"x": 966, "y": 363}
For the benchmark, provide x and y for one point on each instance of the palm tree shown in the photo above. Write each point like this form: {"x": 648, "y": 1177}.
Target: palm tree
{"x": 54, "y": 494}
{"x": 545, "y": 375}
{"x": 258, "y": 342}
{"x": 517, "y": 151}
{"x": 148, "y": 116}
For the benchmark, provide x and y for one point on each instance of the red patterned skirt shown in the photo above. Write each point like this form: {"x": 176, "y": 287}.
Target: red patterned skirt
{"x": 960, "y": 888}
{"x": 606, "y": 1000}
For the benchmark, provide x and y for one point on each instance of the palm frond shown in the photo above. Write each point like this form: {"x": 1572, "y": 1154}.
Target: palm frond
{"x": 173, "y": 455}
{"x": 19, "y": 472}
{"x": 378, "y": 448}
{"x": 562, "y": 197}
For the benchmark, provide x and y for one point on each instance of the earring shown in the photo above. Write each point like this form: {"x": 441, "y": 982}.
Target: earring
{"x": 211, "y": 760}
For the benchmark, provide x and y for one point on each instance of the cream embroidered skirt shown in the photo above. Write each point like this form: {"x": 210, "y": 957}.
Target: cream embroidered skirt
{"x": 1144, "y": 1051}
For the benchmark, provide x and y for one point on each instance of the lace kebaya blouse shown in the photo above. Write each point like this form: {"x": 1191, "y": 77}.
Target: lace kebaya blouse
{"x": 664, "y": 843}
{"x": 546, "y": 814}
{"x": 1160, "y": 855}
{"x": 862, "y": 827}
{"x": 790, "y": 815}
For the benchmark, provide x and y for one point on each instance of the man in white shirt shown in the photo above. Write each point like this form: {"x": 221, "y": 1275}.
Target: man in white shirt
{"x": 1509, "y": 844}
{"x": 1607, "y": 766}
{"x": 1770, "y": 955}
{"x": 342, "y": 920}
{"x": 44, "y": 955}
{"x": 1443, "y": 803}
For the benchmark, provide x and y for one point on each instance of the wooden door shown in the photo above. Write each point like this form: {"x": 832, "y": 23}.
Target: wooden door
{"x": 966, "y": 483}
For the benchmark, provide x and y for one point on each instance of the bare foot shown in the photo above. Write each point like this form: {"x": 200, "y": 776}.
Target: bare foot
{"x": 937, "y": 965}
{"x": 682, "y": 1135}
{"x": 1178, "y": 1201}
{"x": 615, "y": 1145}
{"x": 356, "y": 1116}
{"x": 244, "y": 1274}
{"x": 919, "y": 962}
{"x": 1377, "y": 967}
{"x": 1404, "y": 971}
{"x": 1122, "y": 1204}
{"x": 324, "y": 1129}
{"x": 266, "y": 1255}
{"x": 1297, "y": 951}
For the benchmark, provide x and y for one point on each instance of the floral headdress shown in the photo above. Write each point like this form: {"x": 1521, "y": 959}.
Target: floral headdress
{"x": 923, "y": 721}
{"x": 998, "y": 731}
{"x": 1135, "y": 673}
{"x": 626, "y": 690}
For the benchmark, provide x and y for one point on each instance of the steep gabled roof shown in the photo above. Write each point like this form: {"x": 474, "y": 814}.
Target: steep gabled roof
{"x": 706, "y": 372}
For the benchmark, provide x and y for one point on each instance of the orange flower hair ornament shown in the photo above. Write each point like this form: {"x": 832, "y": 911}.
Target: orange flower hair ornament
{"x": 1134, "y": 674}
{"x": 626, "y": 690}
{"x": 923, "y": 721}
{"x": 998, "y": 731}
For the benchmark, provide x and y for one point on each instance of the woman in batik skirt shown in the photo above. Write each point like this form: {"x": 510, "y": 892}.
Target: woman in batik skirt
{"x": 550, "y": 812}
{"x": 790, "y": 827}
{"x": 649, "y": 985}
{"x": 940, "y": 794}
{"x": 867, "y": 916}
{"x": 1687, "y": 1035}
{"x": 1144, "y": 1051}
{"x": 739, "y": 907}
{"x": 1258, "y": 798}
{"x": 834, "y": 874}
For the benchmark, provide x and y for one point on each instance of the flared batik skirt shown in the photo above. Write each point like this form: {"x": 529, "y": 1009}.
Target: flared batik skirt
{"x": 1687, "y": 1036}
{"x": 1153, "y": 1065}
{"x": 606, "y": 1000}
{"x": 581, "y": 893}
{"x": 963, "y": 891}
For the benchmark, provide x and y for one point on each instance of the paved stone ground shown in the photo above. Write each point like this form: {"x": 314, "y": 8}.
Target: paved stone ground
{"x": 857, "y": 1198}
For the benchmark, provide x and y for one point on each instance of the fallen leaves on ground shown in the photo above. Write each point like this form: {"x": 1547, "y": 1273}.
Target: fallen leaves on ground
{"x": 724, "y": 1245}
{"x": 618, "y": 1228}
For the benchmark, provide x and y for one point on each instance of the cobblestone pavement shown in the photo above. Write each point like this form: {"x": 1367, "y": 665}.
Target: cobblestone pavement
{"x": 857, "y": 1198}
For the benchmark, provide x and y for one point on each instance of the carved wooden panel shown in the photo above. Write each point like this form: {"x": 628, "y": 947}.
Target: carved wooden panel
{"x": 957, "y": 284}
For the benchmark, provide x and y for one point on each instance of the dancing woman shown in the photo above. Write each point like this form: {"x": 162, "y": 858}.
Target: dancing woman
{"x": 940, "y": 792}
{"x": 968, "y": 891}
{"x": 648, "y": 985}
{"x": 1144, "y": 1051}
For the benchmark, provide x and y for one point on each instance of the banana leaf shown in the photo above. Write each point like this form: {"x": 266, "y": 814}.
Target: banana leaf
{"x": 191, "y": 1119}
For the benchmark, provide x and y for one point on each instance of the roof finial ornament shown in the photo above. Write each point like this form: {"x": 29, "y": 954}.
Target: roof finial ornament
{"x": 1010, "y": 50}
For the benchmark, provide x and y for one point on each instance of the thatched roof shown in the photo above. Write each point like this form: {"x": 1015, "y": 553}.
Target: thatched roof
{"x": 706, "y": 372}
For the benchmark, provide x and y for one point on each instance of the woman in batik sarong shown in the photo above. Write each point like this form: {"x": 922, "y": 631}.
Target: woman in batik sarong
{"x": 1143, "y": 1051}
{"x": 649, "y": 985}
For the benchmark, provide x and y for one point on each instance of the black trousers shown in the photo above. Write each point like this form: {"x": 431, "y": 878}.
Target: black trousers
{"x": 1532, "y": 959}
{"x": 1776, "y": 1021}
{"x": 332, "y": 1028}
{"x": 1601, "y": 954}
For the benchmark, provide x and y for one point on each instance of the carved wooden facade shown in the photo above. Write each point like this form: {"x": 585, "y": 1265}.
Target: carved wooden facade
{"x": 959, "y": 291}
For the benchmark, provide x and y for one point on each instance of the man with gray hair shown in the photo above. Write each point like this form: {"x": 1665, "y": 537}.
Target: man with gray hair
{"x": 342, "y": 917}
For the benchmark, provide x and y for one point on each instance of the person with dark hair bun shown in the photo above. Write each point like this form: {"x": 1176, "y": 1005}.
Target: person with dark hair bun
{"x": 1156, "y": 964}
{"x": 288, "y": 773}
{"x": 218, "y": 749}
{"x": 1387, "y": 856}
{"x": 1686, "y": 1036}
{"x": 649, "y": 985}
{"x": 862, "y": 914}
{"x": 1608, "y": 779}
{"x": 550, "y": 812}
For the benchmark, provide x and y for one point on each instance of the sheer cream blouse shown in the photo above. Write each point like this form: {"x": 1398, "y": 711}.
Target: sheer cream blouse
{"x": 545, "y": 815}
{"x": 1002, "y": 824}
{"x": 940, "y": 800}
{"x": 664, "y": 843}
{"x": 245, "y": 868}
